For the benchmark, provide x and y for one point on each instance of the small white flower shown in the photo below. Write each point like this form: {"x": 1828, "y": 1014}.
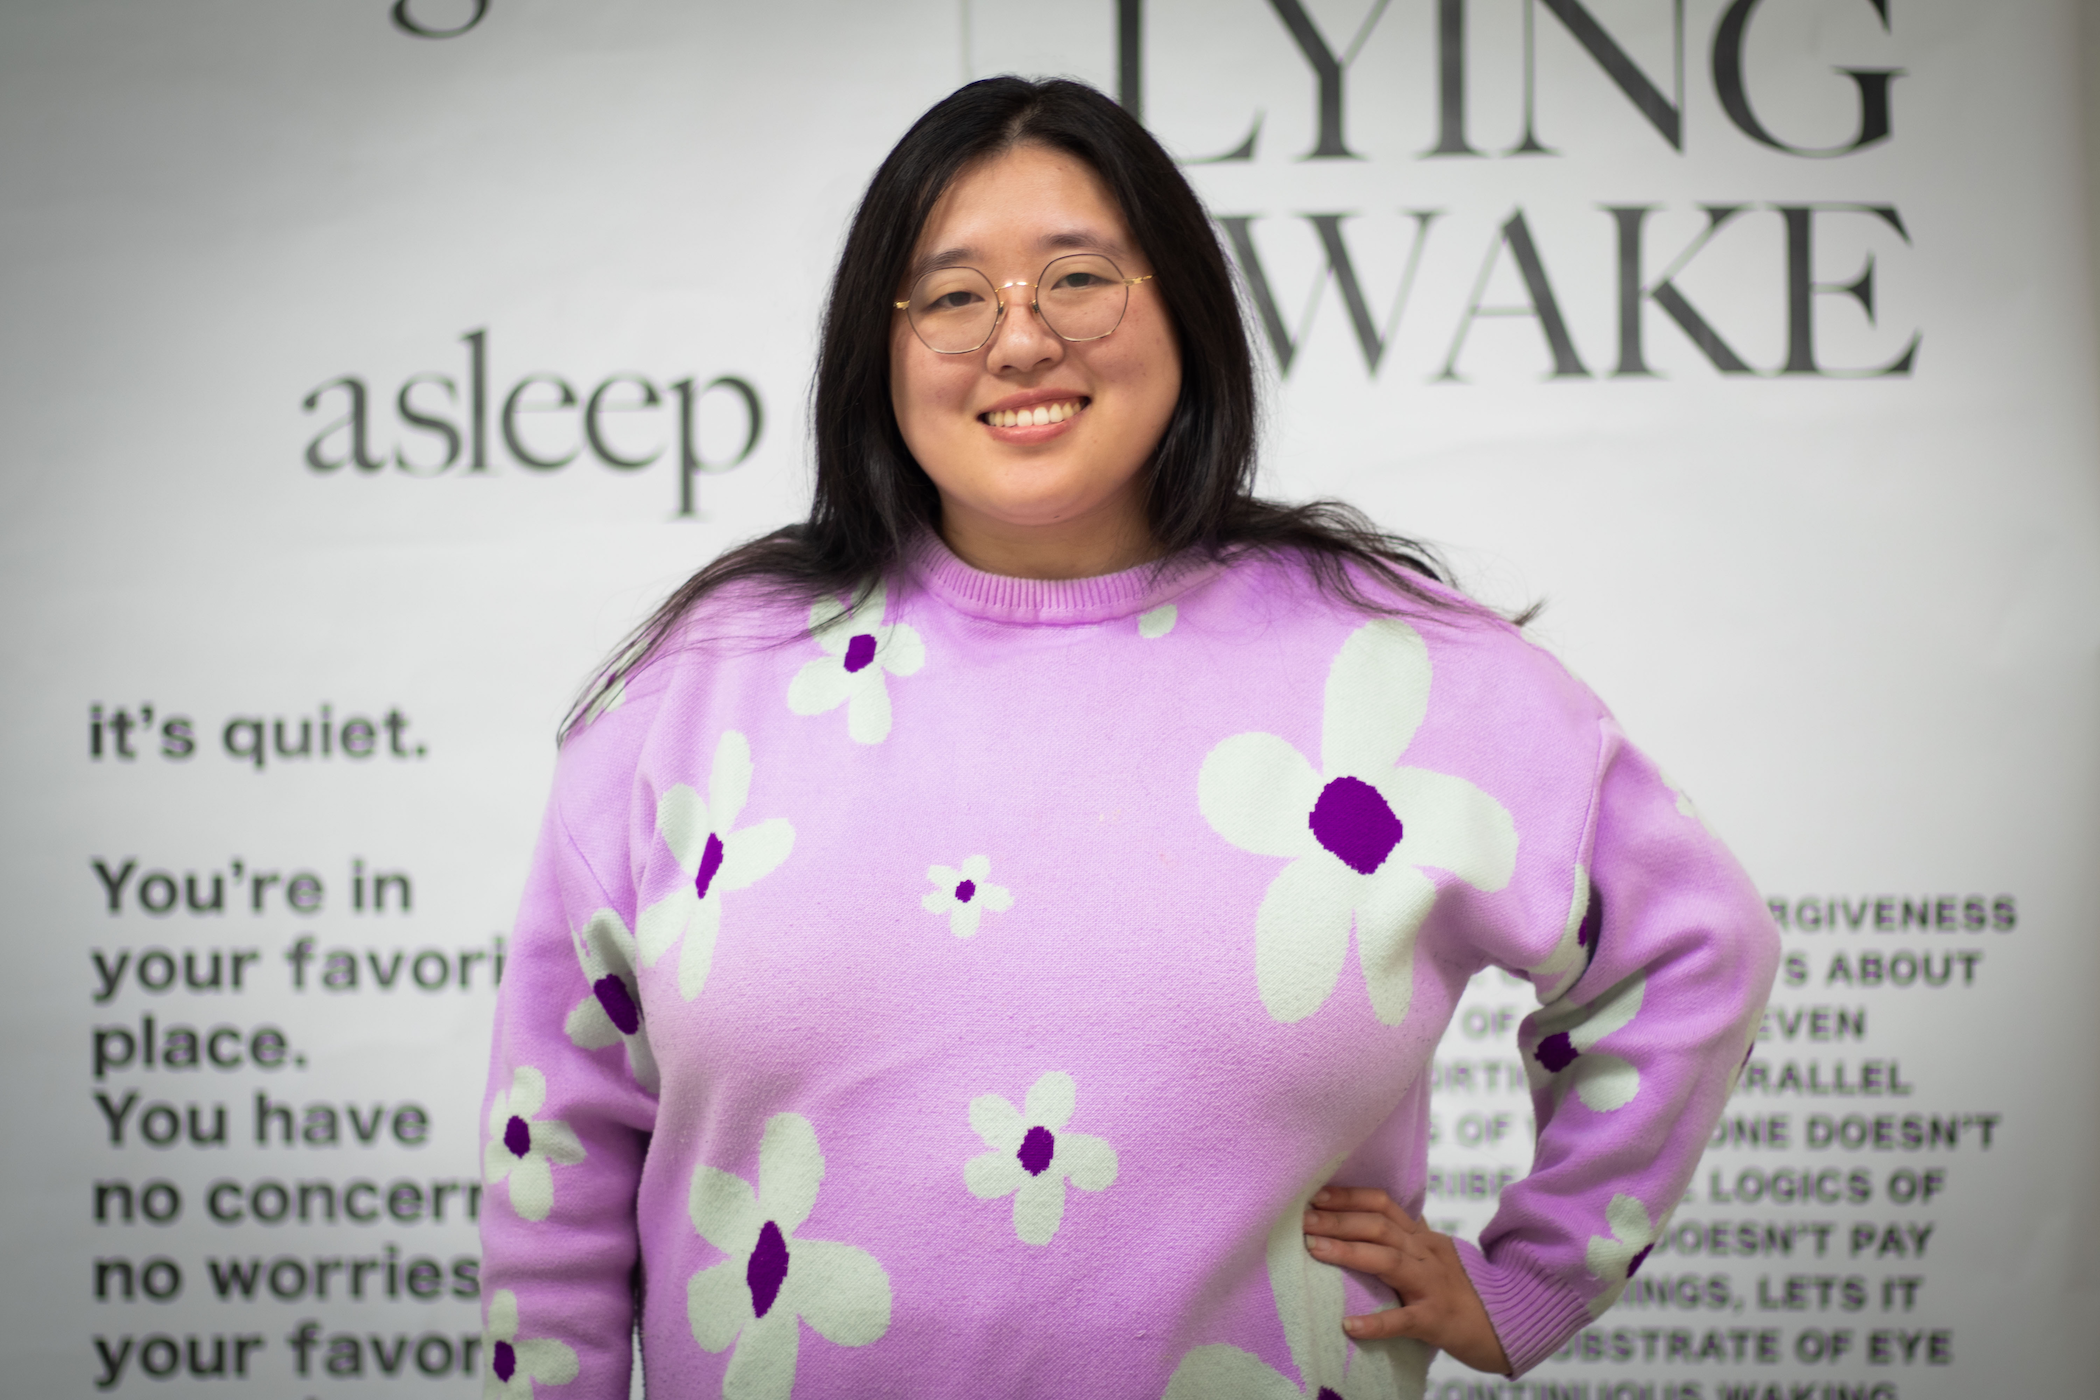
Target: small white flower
{"x": 1617, "y": 1257}
{"x": 751, "y": 1300}
{"x": 1741, "y": 1064}
{"x": 860, "y": 648}
{"x": 1685, "y": 806}
{"x": 515, "y": 1364}
{"x": 1032, "y": 1155}
{"x": 1566, "y": 1035}
{"x": 1310, "y": 1303}
{"x": 717, "y": 860}
{"x": 611, "y": 1011}
{"x": 520, "y": 1149}
{"x": 963, "y": 895}
{"x": 1571, "y": 957}
{"x": 611, "y": 698}
{"x": 1158, "y": 622}
{"x": 1358, "y": 830}
{"x": 614, "y": 693}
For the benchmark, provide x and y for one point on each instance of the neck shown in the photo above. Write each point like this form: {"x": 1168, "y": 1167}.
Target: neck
{"x": 1105, "y": 541}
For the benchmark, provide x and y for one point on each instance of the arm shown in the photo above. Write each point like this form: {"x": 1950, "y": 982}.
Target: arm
{"x": 1653, "y": 998}
{"x": 569, "y": 1109}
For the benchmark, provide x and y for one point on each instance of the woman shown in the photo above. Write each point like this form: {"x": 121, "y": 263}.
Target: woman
{"x": 987, "y": 940}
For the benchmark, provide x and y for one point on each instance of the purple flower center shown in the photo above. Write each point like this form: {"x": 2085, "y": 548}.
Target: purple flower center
{"x": 859, "y": 652}
{"x": 768, "y": 1269}
{"x": 1592, "y": 922}
{"x": 966, "y": 891}
{"x": 1328, "y": 1394}
{"x": 503, "y": 1360}
{"x": 611, "y": 991}
{"x": 517, "y": 1136}
{"x": 1354, "y": 822}
{"x": 1634, "y": 1265}
{"x": 710, "y": 862}
{"x": 1036, "y": 1151}
{"x": 1557, "y": 1052}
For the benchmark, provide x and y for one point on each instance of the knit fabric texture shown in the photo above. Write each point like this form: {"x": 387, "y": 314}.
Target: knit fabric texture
{"x": 962, "y": 992}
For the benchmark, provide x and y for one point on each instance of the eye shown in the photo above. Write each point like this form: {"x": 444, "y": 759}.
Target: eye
{"x": 959, "y": 300}
{"x": 1077, "y": 281}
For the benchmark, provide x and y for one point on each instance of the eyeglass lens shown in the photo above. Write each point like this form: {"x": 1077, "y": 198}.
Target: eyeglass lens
{"x": 1081, "y": 296}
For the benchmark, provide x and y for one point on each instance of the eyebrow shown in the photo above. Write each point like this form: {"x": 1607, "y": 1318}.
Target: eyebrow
{"x": 1065, "y": 240}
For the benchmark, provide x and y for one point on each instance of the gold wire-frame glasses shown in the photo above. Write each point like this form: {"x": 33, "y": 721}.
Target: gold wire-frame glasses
{"x": 1079, "y": 297}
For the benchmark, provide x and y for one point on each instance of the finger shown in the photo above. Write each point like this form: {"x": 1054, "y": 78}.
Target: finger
{"x": 1377, "y": 1260}
{"x": 1410, "y": 1273}
{"x": 1365, "y": 1198}
{"x": 1393, "y": 1322}
{"x": 1353, "y": 1225}
{"x": 1351, "y": 1198}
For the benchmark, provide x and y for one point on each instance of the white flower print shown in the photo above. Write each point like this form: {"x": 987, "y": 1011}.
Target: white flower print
{"x": 1158, "y": 622}
{"x": 860, "y": 647}
{"x": 964, "y": 895}
{"x": 611, "y": 1011}
{"x": 718, "y": 860}
{"x": 614, "y": 694}
{"x": 1617, "y": 1257}
{"x": 1685, "y": 806}
{"x": 515, "y": 1364}
{"x": 751, "y": 1300}
{"x": 521, "y": 1149}
{"x": 1563, "y": 1056}
{"x": 1358, "y": 830}
{"x": 1032, "y": 1155}
{"x": 1577, "y": 948}
{"x": 1311, "y": 1304}
{"x": 611, "y": 698}
{"x": 1735, "y": 1076}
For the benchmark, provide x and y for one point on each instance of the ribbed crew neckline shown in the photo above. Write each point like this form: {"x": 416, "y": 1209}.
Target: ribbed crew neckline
{"x": 1053, "y": 602}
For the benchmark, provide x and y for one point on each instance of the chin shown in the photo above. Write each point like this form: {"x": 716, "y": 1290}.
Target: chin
{"x": 1041, "y": 501}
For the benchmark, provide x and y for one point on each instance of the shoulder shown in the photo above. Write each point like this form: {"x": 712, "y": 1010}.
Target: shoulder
{"x": 739, "y": 628}
{"x": 1477, "y": 665}
{"x": 1497, "y": 669}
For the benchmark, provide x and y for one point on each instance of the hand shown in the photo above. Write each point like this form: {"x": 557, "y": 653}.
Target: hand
{"x": 1366, "y": 1230}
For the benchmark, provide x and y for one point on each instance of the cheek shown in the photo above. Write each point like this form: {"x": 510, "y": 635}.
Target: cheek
{"x": 1154, "y": 373}
{"x": 926, "y": 393}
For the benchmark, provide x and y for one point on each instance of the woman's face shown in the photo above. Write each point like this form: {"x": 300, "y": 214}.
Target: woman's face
{"x": 1020, "y": 498}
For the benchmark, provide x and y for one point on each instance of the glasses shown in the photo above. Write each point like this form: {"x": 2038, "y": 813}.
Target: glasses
{"x": 1081, "y": 296}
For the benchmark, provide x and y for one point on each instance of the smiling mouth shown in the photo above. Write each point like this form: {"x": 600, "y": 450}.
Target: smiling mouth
{"x": 1037, "y": 416}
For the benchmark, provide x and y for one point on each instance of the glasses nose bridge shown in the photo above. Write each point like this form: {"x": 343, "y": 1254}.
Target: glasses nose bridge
{"x": 999, "y": 291}
{"x": 1033, "y": 303}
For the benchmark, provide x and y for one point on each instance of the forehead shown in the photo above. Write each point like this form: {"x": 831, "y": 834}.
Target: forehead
{"x": 1030, "y": 202}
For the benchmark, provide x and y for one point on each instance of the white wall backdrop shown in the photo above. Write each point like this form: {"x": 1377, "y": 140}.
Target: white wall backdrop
{"x": 1755, "y": 337}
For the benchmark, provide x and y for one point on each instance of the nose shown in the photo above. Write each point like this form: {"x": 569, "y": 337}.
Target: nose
{"x": 1021, "y": 342}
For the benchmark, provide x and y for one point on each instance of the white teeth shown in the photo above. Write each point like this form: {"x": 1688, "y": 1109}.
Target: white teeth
{"x": 1039, "y": 416}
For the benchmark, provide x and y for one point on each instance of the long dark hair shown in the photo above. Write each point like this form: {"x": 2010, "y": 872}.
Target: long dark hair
{"x": 872, "y": 499}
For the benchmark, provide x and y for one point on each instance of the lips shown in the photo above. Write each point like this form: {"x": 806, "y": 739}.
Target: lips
{"x": 1036, "y": 415}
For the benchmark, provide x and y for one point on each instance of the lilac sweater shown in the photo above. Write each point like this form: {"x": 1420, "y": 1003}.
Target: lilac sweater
{"x": 964, "y": 996}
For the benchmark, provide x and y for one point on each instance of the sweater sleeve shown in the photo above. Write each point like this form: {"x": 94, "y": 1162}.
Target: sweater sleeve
{"x": 571, "y": 1097}
{"x": 1651, "y": 1004}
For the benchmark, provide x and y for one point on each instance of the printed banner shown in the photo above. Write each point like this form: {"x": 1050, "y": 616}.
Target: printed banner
{"x": 373, "y": 366}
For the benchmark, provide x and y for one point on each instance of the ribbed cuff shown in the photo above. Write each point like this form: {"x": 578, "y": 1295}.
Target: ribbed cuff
{"x": 1532, "y": 1314}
